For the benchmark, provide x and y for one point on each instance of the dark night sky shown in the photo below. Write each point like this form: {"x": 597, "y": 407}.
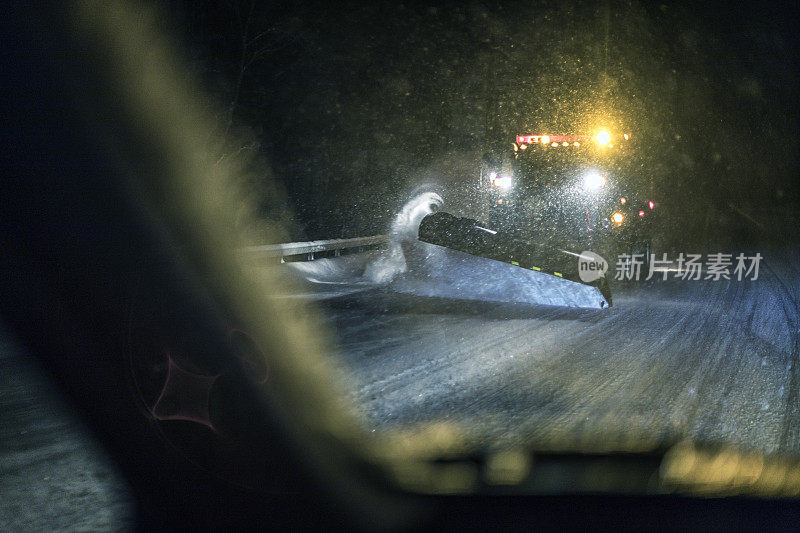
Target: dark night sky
{"x": 354, "y": 104}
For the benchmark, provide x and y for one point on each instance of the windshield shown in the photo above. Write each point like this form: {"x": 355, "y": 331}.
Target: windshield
{"x": 502, "y": 229}
{"x": 374, "y": 118}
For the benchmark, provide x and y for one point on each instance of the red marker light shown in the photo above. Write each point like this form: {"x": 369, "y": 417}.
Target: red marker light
{"x": 641, "y": 213}
{"x": 651, "y": 204}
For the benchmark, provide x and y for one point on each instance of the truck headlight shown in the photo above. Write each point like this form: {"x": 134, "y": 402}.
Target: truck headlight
{"x": 503, "y": 182}
{"x": 593, "y": 180}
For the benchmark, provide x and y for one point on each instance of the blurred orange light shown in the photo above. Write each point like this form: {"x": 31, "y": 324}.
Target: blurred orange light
{"x": 617, "y": 218}
{"x": 623, "y": 200}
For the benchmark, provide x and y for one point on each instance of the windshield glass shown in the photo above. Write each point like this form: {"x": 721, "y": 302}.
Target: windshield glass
{"x": 568, "y": 226}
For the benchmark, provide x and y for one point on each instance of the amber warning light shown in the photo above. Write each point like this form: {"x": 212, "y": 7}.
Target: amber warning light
{"x": 547, "y": 139}
{"x": 601, "y": 138}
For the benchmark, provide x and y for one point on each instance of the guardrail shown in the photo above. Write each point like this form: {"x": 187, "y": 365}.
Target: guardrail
{"x": 308, "y": 251}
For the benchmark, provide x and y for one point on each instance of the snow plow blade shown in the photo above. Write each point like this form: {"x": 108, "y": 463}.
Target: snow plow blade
{"x": 542, "y": 274}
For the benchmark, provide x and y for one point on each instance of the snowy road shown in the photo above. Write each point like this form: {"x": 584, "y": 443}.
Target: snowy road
{"x": 54, "y": 475}
{"x": 713, "y": 361}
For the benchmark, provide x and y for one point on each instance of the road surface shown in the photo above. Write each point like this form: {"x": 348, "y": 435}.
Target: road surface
{"x": 54, "y": 476}
{"x": 430, "y": 335}
{"x": 714, "y": 361}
